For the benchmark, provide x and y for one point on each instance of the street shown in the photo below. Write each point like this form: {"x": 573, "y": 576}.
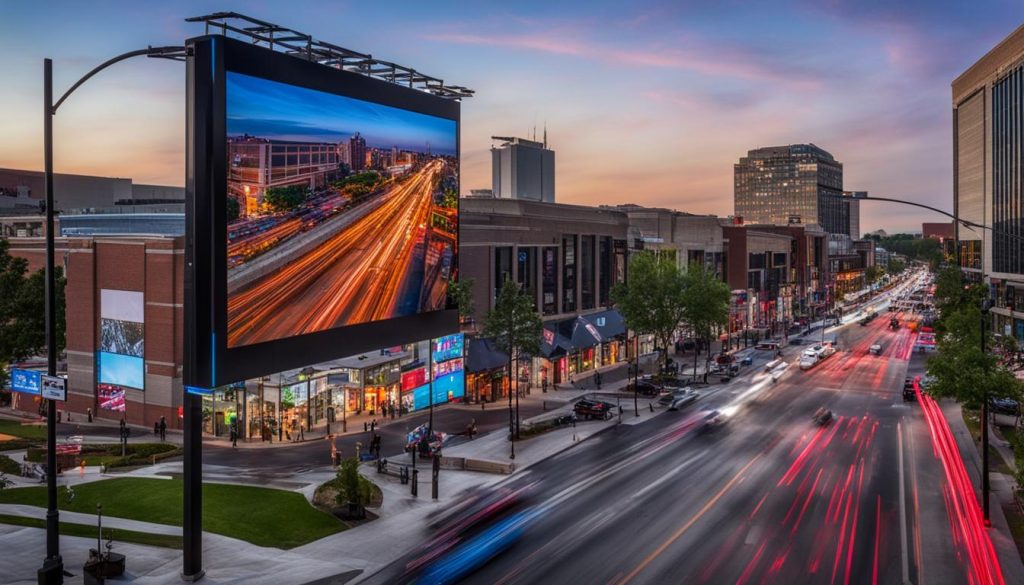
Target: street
{"x": 358, "y": 275}
{"x": 768, "y": 497}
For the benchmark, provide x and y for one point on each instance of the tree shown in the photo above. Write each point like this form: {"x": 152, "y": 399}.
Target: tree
{"x": 354, "y": 490}
{"x": 516, "y": 328}
{"x": 22, "y": 308}
{"x": 706, "y": 306}
{"x": 653, "y": 300}
{"x": 284, "y": 198}
{"x": 896, "y": 266}
{"x": 234, "y": 210}
{"x": 872, "y": 274}
{"x": 461, "y": 293}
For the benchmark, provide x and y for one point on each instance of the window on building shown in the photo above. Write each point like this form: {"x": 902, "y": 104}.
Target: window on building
{"x": 526, "y": 271}
{"x": 502, "y": 267}
{"x": 568, "y": 274}
{"x": 549, "y": 277}
{"x": 605, "y": 268}
{"x": 586, "y": 272}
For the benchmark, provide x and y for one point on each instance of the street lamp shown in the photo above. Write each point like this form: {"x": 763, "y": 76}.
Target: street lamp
{"x": 306, "y": 374}
{"x": 986, "y": 305}
{"x": 52, "y": 570}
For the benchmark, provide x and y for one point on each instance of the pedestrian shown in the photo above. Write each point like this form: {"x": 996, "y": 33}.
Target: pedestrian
{"x": 163, "y": 429}
{"x": 88, "y": 412}
{"x": 373, "y": 425}
{"x": 156, "y": 428}
{"x": 234, "y": 435}
{"x": 302, "y": 432}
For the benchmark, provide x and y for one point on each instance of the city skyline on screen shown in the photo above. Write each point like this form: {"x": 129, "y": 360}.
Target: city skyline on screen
{"x": 272, "y": 110}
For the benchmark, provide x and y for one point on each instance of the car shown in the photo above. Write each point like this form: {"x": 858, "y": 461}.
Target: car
{"x": 683, "y": 399}
{"x": 645, "y": 388}
{"x": 875, "y": 349}
{"x": 767, "y": 344}
{"x": 823, "y": 416}
{"x": 796, "y": 341}
{"x": 669, "y": 395}
{"x": 724, "y": 358}
{"x": 808, "y": 361}
{"x": 593, "y": 409}
{"x": 712, "y": 420}
{"x": 1006, "y": 406}
{"x": 909, "y": 394}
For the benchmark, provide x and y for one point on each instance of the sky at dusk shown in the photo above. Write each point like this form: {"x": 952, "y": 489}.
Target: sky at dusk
{"x": 268, "y": 109}
{"x": 644, "y": 102}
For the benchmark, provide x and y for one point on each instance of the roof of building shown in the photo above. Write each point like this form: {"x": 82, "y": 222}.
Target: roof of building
{"x": 123, "y": 224}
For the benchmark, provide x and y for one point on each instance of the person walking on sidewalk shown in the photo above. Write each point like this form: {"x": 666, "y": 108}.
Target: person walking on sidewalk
{"x": 234, "y": 434}
{"x": 88, "y": 413}
{"x": 163, "y": 429}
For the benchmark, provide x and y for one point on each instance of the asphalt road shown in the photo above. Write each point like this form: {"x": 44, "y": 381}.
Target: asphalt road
{"x": 769, "y": 497}
{"x": 354, "y": 277}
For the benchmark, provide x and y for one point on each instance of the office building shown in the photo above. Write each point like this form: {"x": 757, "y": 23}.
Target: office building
{"x": 794, "y": 184}
{"x": 257, "y": 164}
{"x": 523, "y": 169}
{"x": 22, "y": 193}
{"x": 988, "y": 113}
{"x": 851, "y": 210}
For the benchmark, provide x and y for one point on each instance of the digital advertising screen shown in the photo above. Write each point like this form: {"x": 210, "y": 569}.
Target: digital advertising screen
{"x": 332, "y": 202}
{"x": 120, "y": 360}
{"x": 414, "y": 378}
{"x": 446, "y": 388}
{"x": 110, "y": 397}
{"x": 448, "y": 347}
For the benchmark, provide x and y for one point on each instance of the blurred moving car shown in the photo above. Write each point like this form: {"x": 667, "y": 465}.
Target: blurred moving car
{"x": 823, "y": 416}
{"x": 909, "y": 395}
{"x": 682, "y": 399}
{"x": 875, "y": 349}
{"x": 476, "y": 551}
{"x": 713, "y": 419}
{"x": 1006, "y": 406}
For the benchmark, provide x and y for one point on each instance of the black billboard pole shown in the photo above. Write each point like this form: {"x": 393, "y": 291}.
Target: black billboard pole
{"x": 52, "y": 570}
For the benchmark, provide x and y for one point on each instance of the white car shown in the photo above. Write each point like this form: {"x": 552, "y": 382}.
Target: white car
{"x": 808, "y": 361}
{"x": 875, "y": 349}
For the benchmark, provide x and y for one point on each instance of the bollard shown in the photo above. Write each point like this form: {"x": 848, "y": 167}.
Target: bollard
{"x": 366, "y": 426}
{"x": 415, "y": 482}
{"x": 651, "y": 405}
{"x": 434, "y": 478}
{"x": 545, "y": 404}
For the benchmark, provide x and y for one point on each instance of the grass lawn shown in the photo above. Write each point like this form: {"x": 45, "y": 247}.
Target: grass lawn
{"x": 164, "y": 540}
{"x": 262, "y": 516}
{"x": 16, "y": 429}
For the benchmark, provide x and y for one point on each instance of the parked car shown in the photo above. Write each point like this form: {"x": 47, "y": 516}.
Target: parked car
{"x": 1006, "y": 406}
{"x": 724, "y": 358}
{"x": 645, "y": 388}
{"x": 769, "y": 344}
{"x": 808, "y": 361}
{"x": 796, "y": 341}
{"x": 593, "y": 409}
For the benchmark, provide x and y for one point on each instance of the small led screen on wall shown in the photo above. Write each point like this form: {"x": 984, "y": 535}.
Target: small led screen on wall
{"x": 340, "y": 211}
{"x": 120, "y": 360}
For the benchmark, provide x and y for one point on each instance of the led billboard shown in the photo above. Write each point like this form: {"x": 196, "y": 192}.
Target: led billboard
{"x": 120, "y": 359}
{"x": 323, "y": 219}
{"x": 448, "y": 347}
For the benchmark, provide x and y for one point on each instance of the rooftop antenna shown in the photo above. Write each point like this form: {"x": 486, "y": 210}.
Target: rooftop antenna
{"x": 545, "y": 133}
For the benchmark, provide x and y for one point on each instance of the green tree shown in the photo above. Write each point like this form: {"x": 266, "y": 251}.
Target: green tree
{"x": 895, "y": 266}
{"x": 234, "y": 210}
{"x": 872, "y": 274}
{"x": 461, "y": 293}
{"x": 705, "y": 306}
{"x": 354, "y": 490}
{"x": 515, "y": 326}
{"x": 22, "y": 308}
{"x": 653, "y": 300}
{"x": 284, "y": 198}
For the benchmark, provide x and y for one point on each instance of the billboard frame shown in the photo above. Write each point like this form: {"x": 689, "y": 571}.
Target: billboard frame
{"x": 212, "y": 363}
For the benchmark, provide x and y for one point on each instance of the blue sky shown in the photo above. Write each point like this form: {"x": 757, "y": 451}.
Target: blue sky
{"x": 269, "y": 109}
{"x": 644, "y": 102}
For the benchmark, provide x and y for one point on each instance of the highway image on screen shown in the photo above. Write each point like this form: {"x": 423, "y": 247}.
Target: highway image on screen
{"x": 340, "y": 211}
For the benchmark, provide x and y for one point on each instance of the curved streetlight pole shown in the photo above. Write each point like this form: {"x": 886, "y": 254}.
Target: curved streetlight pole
{"x": 52, "y": 570}
{"x": 985, "y": 486}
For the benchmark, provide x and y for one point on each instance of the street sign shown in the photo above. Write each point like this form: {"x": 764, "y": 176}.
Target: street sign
{"x": 26, "y": 381}
{"x": 54, "y": 388}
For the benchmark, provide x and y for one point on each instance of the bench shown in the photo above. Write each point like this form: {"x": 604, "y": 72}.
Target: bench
{"x": 399, "y": 470}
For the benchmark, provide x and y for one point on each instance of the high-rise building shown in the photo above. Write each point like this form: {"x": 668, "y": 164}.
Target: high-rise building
{"x": 988, "y": 113}
{"x": 523, "y": 169}
{"x": 795, "y": 184}
{"x": 852, "y": 211}
{"x": 357, "y": 152}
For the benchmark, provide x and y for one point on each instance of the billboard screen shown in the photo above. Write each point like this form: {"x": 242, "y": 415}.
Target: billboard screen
{"x": 110, "y": 397}
{"x": 448, "y": 347}
{"x": 120, "y": 360}
{"x": 324, "y": 215}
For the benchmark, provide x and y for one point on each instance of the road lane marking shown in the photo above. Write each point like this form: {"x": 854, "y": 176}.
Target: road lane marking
{"x": 682, "y": 529}
{"x": 903, "y": 509}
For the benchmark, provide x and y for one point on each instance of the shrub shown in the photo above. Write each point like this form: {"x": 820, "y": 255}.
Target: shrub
{"x": 354, "y": 490}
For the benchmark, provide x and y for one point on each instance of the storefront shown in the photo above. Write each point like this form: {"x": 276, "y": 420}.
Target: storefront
{"x": 485, "y": 371}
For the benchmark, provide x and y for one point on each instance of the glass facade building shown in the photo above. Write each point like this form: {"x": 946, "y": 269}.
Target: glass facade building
{"x": 799, "y": 183}
{"x": 1007, "y": 203}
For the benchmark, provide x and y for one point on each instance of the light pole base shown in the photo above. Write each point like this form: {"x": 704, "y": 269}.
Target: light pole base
{"x": 52, "y": 572}
{"x": 193, "y": 577}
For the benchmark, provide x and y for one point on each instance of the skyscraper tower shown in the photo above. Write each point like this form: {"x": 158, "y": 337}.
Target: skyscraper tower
{"x": 357, "y": 152}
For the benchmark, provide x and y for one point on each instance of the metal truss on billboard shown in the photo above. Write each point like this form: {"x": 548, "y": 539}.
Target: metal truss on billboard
{"x": 304, "y": 46}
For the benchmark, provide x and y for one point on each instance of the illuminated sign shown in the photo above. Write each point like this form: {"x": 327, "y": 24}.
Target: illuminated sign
{"x": 27, "y": 381}
{"x": 448, "y": 347}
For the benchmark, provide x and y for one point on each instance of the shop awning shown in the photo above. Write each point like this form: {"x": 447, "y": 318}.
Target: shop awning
{"x": 609, "y": 323}
{"x": 482, "y": 355}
